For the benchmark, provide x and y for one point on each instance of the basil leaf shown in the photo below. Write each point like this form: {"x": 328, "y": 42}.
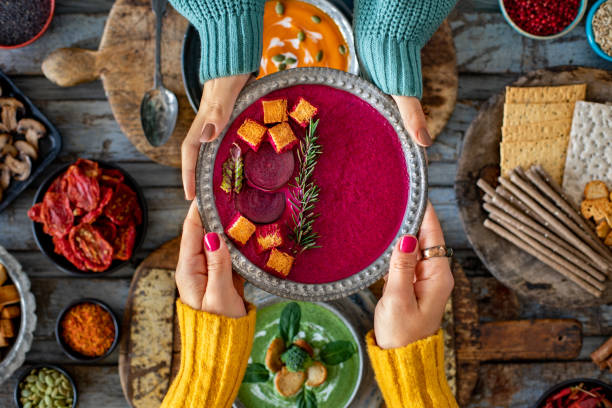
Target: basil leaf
{"x": 290, "y": 321}
{"x": 256, "y": 373}
{"x": 301, "y": 400}
{"x": 337, "y": 352}
{"x": 311, "y": 399}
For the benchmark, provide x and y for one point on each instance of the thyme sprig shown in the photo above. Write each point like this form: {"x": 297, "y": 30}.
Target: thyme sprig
{"x": 305, "y": 193}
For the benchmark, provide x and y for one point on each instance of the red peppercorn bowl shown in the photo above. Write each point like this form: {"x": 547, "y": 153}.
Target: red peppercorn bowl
{"x": 40, "y": 33}
{"x": 591, "y": 34}
{"x": 66, "y": 348}
{"x": 581, "y": 11}
{"x": 589, "y": 382}
{"x": 26, "y": 372}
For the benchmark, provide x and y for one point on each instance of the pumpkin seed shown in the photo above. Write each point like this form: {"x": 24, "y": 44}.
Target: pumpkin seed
{"x": 316, "y": 19}
{"x": 46, "y": 388}
{"x": 301, "y": 35}
{"x": 319, "y": 56}
{"x": 291, "y": 61}
{"x": 282, "y": 67}
{"x": 342, "y": 49}
{"x": 279, "y": 8}
{"x": 278, "y": 58}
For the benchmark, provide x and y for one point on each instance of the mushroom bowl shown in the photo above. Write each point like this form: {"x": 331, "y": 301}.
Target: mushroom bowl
{"x": 28, "y": 142}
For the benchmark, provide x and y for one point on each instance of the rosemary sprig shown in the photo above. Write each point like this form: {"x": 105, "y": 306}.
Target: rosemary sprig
{"x": 305, "y": 193}
{"x": 233, "y": 171}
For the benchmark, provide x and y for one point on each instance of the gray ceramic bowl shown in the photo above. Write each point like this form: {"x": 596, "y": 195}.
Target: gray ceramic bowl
{"x": 415, "y": 163}
{"x": 16, "y": 354}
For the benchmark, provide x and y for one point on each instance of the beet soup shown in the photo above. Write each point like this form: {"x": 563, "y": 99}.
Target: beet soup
{"x": 363, "y": 182}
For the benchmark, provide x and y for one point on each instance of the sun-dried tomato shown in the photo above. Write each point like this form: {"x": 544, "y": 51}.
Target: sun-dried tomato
{"x": 35, "y": 212}
{"x": 89, "y": 245}
{"x": 89, "y": 167}
{"x": 83, "y": 190}
{"x": 111, "y": 177}
{"x": 123, "y": 244}
{"x": 106, "y": 228}
{"x": 56, "y": 214}
{"x": 58, "y": 185}
{"x": 62, "y": 247}
{"x": 106, "y": 195}
{"x": 123, "y": 207}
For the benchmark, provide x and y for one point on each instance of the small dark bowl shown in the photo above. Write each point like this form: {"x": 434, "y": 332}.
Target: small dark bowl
{"x": 590, "y": 382}
{"x": 45, "y": 242}
{"x": 66, "y": 348}
{"x": 37, "y": 35}
{"x": 25, "y": 373}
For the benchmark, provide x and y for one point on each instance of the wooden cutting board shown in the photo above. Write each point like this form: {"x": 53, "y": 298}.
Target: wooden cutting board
{"x": 146, "y": 368}
{"x": 125, "y": 63}
{"x": 480, "y": 158}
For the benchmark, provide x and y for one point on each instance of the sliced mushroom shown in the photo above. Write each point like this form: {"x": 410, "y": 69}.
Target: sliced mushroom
{"x": 21, "y": 167}
{"x": 8, "y": 150}
{"x": 10, "y": 108}
{"x": 32, "y": 129}
{"x": 3, "y": 129}
{"x": 5, "y": 139}
{"x": 26, "y": 149}
{"x": 5, "y": 176}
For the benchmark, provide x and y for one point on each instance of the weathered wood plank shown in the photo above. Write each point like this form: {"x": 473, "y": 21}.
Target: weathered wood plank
{"x": 79, "y": 6}
{"x": 39, "y": 88}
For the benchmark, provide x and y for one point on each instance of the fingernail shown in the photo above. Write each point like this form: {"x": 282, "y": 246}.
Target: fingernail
{"x": 211, "y": 240}
{"x": 407, "y": 244}
{"x": 207, "y": 133}
{"x": 423, "y": 137}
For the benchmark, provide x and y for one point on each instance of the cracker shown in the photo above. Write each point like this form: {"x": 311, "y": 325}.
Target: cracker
{"x": 589, "y": 154}
{"x": 537, "y": 131}
{"x": 549, "y": 153}
{"x": 525, "y": 113}
{"x": 546, "y": 94}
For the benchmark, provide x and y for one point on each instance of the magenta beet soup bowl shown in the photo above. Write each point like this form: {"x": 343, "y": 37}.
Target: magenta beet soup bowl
{"x": 356, "y": 178}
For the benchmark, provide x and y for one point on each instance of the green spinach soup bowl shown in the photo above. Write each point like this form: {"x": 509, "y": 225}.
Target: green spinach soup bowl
{"x": 302, "y": 336}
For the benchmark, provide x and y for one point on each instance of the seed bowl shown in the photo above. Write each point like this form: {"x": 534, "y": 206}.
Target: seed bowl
{"x": 37, "y": 35}
{"x": 581, "y": 11}
{"x": 27, "y": 372}
{"x": 591, "y": 34}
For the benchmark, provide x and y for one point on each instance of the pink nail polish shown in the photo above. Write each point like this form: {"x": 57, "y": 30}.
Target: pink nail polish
{"x": 407, "y": 244}
{"x": 211, "y": 240}
{"x": 207, "y": 133}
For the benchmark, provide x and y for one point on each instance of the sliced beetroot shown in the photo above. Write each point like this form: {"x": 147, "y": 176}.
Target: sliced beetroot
{"x": 260, "y": 206}
{"x": 267, "y": 169}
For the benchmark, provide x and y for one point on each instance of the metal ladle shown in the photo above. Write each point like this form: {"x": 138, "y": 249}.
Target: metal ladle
{"x": 159, "y": 106}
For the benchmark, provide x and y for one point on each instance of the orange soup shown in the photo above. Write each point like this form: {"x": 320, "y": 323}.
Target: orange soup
{"x": 298, "y": 34}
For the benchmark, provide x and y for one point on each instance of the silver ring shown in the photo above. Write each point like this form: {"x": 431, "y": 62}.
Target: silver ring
{"x": 437, "y": 251}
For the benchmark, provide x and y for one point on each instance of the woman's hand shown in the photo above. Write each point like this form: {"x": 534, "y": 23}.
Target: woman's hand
{"x": 416, "y": 291}
{"x": 414, "y": 119}
{"x": 218, "y": 98}
{"x": 204, "y": 274}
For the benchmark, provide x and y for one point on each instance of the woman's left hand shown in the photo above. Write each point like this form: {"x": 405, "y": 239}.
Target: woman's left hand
{"x": 414, "y": 119}
{"x": 204, "y": 274}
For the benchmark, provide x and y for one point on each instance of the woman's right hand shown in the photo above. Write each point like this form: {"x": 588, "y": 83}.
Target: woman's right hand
{"x": 216, "y": 106}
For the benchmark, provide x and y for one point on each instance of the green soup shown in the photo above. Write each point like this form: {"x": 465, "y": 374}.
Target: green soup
{"x": 318, "y": 326}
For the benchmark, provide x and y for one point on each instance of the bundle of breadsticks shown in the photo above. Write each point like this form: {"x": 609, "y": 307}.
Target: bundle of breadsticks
{"x": 603, "y": 355}
{"x": 530, "y": 210}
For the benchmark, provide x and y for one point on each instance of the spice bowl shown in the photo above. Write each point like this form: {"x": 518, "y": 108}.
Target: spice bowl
{"x": 35, "y": 35}
{"x": 591, "y": 33}
{"x": 507, "y": 13}
{"x": 67, "y": 349}
{"x": 26, "y": 373}
{"x": 590, "y": 383}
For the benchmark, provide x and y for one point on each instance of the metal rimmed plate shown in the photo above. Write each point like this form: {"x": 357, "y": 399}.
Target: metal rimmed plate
{"x": 415, "y": 164}
{"x": 191, "y": 53}
{"x": 16, "y": 355}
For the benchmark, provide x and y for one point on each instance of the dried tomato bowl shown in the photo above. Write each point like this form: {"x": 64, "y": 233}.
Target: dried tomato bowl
{"x": 589, "y": 383}
{"x": 582, "y": 7}
{"x": 45, "y": 242}
{"x": 67, "y": 349}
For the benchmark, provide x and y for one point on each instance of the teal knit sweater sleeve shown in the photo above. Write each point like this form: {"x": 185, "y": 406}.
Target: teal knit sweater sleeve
{"x": 389, "y": 36}
{"x": 230, "y": 32}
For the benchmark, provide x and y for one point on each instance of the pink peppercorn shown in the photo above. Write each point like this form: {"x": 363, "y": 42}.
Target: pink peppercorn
{"x": 542, "y": 17}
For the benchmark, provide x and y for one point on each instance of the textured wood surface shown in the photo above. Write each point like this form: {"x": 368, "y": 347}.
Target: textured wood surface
{"x": 489, "y": 56}
{"x": 480, "y": 158}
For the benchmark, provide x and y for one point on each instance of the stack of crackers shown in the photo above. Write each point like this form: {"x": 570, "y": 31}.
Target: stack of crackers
{"x": 536, "y": 127}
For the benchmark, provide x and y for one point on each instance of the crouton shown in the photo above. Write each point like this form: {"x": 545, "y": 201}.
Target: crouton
{"x": 252, "y": 133}
{"x": 268, "y": 237}
{"x": 288, "y": 383}
{"x": 273, "y": 355}
{"x": 282, "y": 137}
{"x": 280, "y": 262}
{"x": 303, "y": 344}
{"x": 8, "y": 295}
{"x": 316, "y": 374}
{"x": 7, "y": 330}
{"x": 303, "y": 111}
{"x": 274, "y": 111}
{"x": 595, "y": 189}
{"x": 10, "y": 312}
{"x": 3, "y": 275}
{"x": 598, "y": 209}
{"x": 602, "y": 229}
{"x": 608, "y": 240}
{"x": 240, "y": 229}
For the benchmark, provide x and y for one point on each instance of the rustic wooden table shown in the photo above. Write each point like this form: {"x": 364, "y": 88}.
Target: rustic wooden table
{"x": 490, "y": 55}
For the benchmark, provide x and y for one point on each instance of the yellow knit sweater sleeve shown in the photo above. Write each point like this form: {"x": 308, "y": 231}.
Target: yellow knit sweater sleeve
{"x": 412, "y": 376}
{"x": 214, "y": 355}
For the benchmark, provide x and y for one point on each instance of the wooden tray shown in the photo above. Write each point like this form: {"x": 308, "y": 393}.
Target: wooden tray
{"x": 480, "y": 158}
{"x": 125, "y": 63}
